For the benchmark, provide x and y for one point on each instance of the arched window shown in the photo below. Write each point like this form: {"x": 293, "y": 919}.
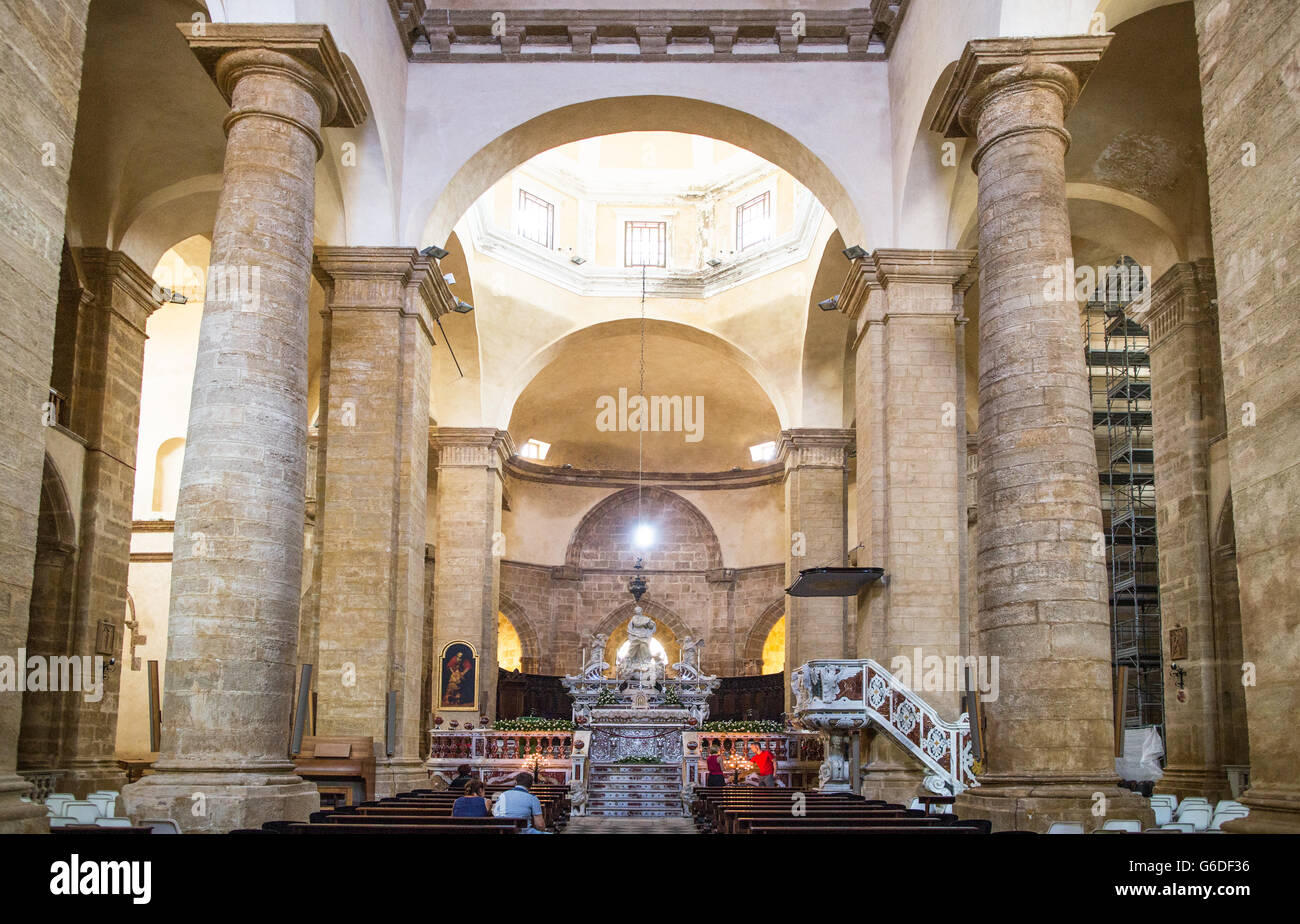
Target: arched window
{"x": 167, "y": 475}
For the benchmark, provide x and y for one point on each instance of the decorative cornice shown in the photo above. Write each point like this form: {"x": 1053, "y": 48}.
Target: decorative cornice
{"x": 987, "y": 67}
{"x": 527, "y": 470}
{"x": 382, "y": 279}
{"x": 471, "y": 447}
{"x": 118, "y": 284}
{"x": 955, "y": 268}
{"x": 815, "y": 447}
{"x": 342, "y": 101}
{"x": 1185, "y": 294}
{"x": 789, "y": 249}
{"x": 448, "y": 36}
{"x": 858, "y": 285}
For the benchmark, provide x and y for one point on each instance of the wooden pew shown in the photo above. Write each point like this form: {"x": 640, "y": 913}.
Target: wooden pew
{"x": 499, "y": 828}
{"x": 338, "y": 765}
{"x": 849, "y": 829}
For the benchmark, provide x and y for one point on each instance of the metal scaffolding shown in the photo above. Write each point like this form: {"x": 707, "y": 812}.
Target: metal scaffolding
{"x": 1117, "y": 351}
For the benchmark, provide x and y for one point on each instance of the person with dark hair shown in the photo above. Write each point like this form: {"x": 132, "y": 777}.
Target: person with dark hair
{"x": 765, "y": 763}
{"x": 463, "y": 776}
{"x": 472, "y": 804}
{"x": 716, "y": 777}
{"x": 520, "y": 803}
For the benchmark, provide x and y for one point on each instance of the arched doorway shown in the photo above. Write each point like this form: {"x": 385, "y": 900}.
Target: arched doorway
{"x": 50, "y": 627}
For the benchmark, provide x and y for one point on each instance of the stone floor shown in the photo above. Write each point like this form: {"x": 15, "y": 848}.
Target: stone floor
{"x": 606, "y": 825}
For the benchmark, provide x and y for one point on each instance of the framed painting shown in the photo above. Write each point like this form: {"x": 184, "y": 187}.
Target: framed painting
{"x": 458, "y": 672}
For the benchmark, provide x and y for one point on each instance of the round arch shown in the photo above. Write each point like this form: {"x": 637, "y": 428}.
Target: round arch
{"x": 696, "y": 525}
{"x": 670, "y": 630}
{"x": 434, "y": 216}
{"x": 590, "y": 336}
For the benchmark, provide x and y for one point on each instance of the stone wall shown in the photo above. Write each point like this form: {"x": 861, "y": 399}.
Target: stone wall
{"x": 41, "y": 47}
{"x": 1250, "y": 91}
{"x": 556, "y": 609}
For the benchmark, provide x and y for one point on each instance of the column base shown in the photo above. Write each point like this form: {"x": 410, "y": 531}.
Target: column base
{"x": 1033, "y": 803}
{"x": 1272, "y": 811}
{"x": 221, "y": 800}
{"x": 86, "y": 776}
{"x": 892, "y": 783}
{"x": 16, "y": 816}
{"x": 1208, "y": 782}
{"x": 398, "y": 776}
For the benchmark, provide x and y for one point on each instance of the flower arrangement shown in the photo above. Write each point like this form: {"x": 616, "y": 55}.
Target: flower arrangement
{"x": 638, "y": 760}
{"x": 672, "y": 697}
{"x": 751, "y": 727}
{"x": 533, "y": 723}
{"x": 606, "y": 697}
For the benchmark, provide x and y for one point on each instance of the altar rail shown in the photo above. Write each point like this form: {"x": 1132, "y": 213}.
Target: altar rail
{"x": 798, "y": 755}
{"x": 495, "y": 756}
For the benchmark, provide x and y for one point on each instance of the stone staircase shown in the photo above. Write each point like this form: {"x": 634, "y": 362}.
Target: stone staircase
{"x": 635, "y": 791}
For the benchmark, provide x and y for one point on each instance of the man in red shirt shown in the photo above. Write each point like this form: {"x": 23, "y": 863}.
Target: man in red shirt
{"x": 765, "y": 764}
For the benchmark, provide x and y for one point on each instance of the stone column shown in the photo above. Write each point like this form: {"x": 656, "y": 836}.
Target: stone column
{"x": 1041, "y": 559}
{"x": 370, "y": 520}
{"x": 42, "y": 51}
{"x": 237, "y": 560}
{"x": 1249, "y": 94}
{"x": 816, "y": 466}
{"x": 911, "y": 366}
{"x": 1187, "y": 413}
{"x": 467, "y": 573}
{"x": 107, "y": 376}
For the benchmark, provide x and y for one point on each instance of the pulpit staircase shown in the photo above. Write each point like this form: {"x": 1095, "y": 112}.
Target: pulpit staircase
{"x": 635, "y": 790}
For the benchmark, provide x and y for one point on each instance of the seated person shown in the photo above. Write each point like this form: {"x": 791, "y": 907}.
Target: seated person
{"x": 472, "y": 804}
{"x": 463, "y": 776}
{"x": 520, "y": 803}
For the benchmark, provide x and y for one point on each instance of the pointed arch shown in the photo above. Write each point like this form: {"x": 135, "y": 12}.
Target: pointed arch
{"x": 762, "y": 627}
{"x": 530, "y": 656}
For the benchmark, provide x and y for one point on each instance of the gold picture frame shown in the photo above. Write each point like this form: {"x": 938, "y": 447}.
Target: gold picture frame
{"x": 458, "y": 676}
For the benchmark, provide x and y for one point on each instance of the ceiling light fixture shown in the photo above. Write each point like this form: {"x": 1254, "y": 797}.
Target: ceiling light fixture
{"x": 829, "y": 304}
{"x": 855, "y": 252}
{"x": 433, "y": 250}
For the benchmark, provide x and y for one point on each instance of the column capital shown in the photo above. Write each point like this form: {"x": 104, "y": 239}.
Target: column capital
{"x": 990, "y": 68}
{"x": 471, "y": 447}
{"x": 956, "y": 268}
{"x": 1185, "y": 294}
{"x": 815, "y": 447}
{"x": 304, "y": 52}
{"x": 382, "y": 278}
{"x": 118, "y": 284}
{"x": 858, "y": 285}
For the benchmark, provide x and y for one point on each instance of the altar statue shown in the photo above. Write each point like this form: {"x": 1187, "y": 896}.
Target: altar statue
{"x": 640, "y": 667}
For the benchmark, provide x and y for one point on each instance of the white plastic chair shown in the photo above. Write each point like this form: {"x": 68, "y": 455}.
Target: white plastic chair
{"x": 113, "y": 822}
{"x": 1131, "y": 825}
{"x": 1227, "y": 804}
{"x": 62, "y": 821}
{"x": 87, "y": 812}
{"x": 55, "y": 802}
{"x": 107, "y": 803}
{"x": 1065, "y": 827}
{"x": 1185, "y": 827}
{"x": 161, "y": 825}
{"x": 1216, "y": 823}
{"x": 1191, "y": 802}
{"x": 1198, "y": 816}
{"x": 1163, "y": 811}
